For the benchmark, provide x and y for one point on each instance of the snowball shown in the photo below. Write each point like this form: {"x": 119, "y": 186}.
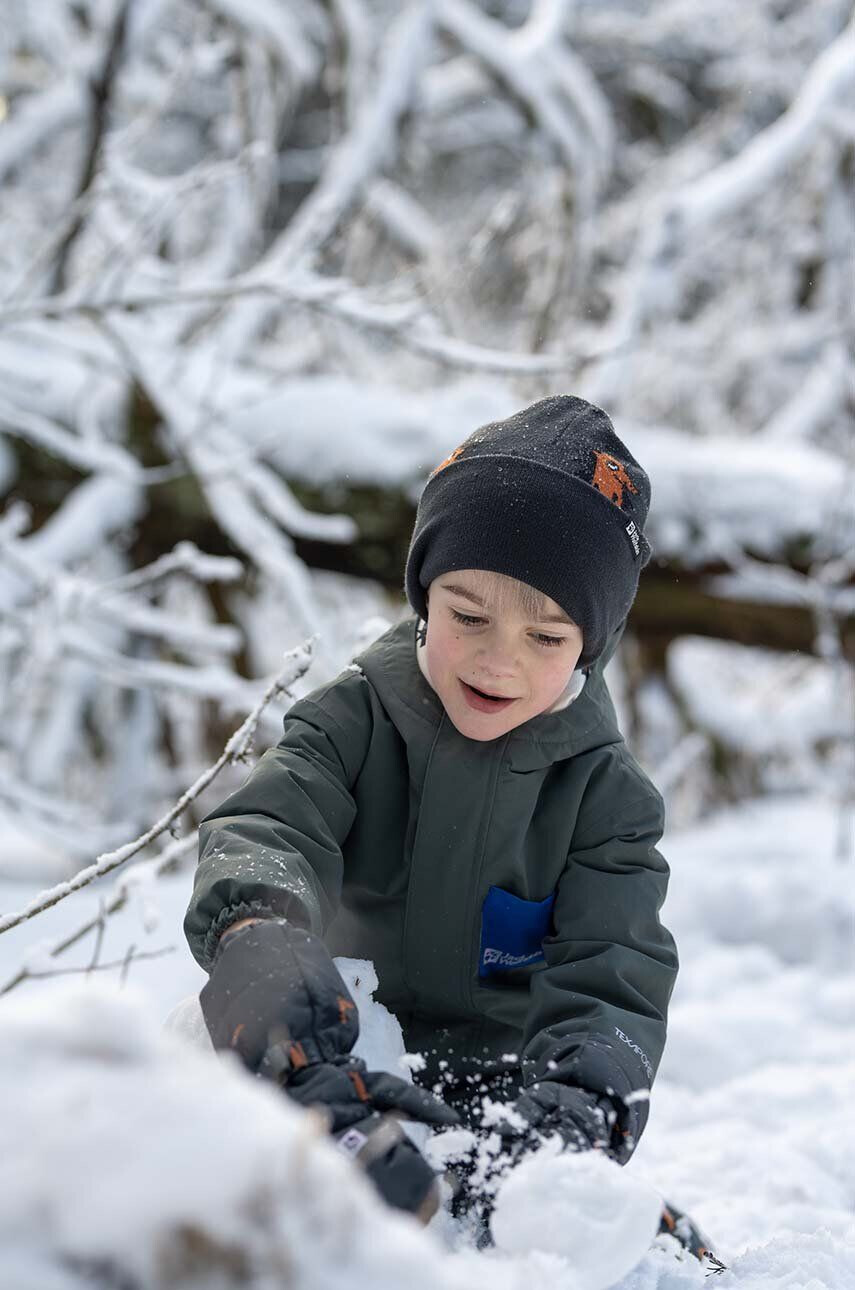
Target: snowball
{"x": 581, "y": 1207}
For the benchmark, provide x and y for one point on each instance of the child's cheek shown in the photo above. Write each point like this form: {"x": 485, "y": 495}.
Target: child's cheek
{"x": 445, "y": 651}
{"x": 554, "y": 680}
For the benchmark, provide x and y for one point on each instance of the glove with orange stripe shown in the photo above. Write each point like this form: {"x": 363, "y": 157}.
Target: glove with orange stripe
{"x": 276, "y": 998}
{"x": 348, "y": 1092}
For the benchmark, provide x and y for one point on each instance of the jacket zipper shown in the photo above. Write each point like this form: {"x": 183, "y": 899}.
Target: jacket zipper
{"x": 413, "y": 853}
{"x": 471, "y": 966}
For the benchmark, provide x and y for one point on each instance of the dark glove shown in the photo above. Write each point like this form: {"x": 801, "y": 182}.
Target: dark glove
{"x": 348, "y": 1093}
{"x": 272, "y": 982}
{"x": 277, "y": 999}
{"x": 584, "y": 1121}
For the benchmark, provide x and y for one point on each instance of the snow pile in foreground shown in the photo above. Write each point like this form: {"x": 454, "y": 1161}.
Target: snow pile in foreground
{"x": 134, "y": 1161}
{"x": 120, "y": 1145}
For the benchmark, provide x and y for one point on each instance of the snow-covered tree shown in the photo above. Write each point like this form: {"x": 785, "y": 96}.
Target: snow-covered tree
{"x": 259, "y": 257}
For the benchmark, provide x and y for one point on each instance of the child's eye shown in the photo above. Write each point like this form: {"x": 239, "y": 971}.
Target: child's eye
{"x": 466, "y": 619}
{"x": 471, "y": 620}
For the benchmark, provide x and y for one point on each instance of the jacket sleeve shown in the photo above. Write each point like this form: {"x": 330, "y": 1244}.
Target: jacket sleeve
{"x": 274, "y": 846}
{"x": 598, "y": 1009}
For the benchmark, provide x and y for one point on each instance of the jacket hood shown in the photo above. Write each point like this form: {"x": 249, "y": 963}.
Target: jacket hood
{"x": 589, "y": 722}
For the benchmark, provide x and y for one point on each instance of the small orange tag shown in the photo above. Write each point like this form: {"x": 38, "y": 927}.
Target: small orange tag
{"x": 452, "y": 456}
{"x": 359, "y": 1084}
{"x": 298, "y": 1057}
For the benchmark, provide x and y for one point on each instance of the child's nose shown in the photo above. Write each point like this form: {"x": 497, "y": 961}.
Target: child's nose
{"x": 497, "y": 661}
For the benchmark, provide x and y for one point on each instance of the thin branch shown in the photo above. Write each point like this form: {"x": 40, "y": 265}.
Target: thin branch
{"x": 504, "y": 58}
{"x": 168, "y": 860}
{"x": 100, "y": 91}
{"x": 131, "y": 955}
{"x": 96, "y": 949}
{"x": 298, "y": 662}
{"x": 126, "y": 963}
{"x": 210, "y": 681}
{"x": 78, "y": 596}
{"x": 95, "y": 457}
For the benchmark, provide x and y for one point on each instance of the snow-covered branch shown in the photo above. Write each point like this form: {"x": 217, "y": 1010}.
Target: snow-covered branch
{"x": 340, "y": 300}
{"x": 829, "y": 82}
{"x": 686, "y": 212}
{"x": 363, "y": 152}
{"x": 304, "y": 250}
{"x": 298, "y": 662}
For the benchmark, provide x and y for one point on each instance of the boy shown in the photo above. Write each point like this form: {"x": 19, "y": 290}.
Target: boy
{"x": 461, "y": 809}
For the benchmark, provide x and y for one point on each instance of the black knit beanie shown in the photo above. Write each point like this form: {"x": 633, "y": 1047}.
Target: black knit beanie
{"x": 550, "y": 497}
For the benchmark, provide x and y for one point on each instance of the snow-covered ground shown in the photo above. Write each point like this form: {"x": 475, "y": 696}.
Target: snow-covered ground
{"x": 129, "y": 1155}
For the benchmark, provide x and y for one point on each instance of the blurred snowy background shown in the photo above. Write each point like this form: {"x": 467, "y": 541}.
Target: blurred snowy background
{"x": 262, "y": 265}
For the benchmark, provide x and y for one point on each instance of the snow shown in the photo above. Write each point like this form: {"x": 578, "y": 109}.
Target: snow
{"x": 325, "y": 242}
{"x": 386, "y": 438}
{"x": 714, "y": 494}
{"x": 750, "y": 1130}
{"x": 585, "y": 1209}
{"x": 807, "y": 702}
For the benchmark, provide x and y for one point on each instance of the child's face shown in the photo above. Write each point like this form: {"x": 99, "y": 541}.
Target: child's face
{"x": 489, "y": 634}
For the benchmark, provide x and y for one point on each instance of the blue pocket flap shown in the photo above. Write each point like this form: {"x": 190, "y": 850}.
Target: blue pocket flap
{"x": 512, "y": 931}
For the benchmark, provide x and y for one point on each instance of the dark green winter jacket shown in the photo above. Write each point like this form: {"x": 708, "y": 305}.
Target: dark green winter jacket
{"x": 508, "y": 892}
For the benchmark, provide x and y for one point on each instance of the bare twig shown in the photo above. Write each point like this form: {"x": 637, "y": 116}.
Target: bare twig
{"x": 126, "y": 963}
{"x": 131, "y": 955}
{"x": 101, "y": 90}
{"x": 99, "y": 940}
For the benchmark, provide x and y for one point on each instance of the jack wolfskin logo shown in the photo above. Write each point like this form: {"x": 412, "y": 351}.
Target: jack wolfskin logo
{"x": 610, "y": 478}
{"x": 632, "y": 530}
{"x": 501, "y": 959}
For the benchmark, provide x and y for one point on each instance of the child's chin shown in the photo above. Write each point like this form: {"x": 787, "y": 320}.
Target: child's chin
{"x": 485, "y": 729}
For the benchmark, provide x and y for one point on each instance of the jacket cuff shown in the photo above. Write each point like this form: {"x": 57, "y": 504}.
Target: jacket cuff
{"x": 616, "y": 1068}
{"x": 225, "y": 918}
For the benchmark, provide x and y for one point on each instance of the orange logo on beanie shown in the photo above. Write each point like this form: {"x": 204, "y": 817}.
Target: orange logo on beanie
{"x": 452, "y": 456}
{"x": 611, "y": 479}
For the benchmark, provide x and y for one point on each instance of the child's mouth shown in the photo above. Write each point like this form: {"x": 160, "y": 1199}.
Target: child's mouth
{"x": 482, "y": 702}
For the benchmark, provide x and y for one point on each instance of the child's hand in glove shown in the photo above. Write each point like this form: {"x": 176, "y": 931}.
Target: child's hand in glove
{"x": 276, "y": 998}
{"x": 584, "y": 1121}
{"x": 348, "y": 1093}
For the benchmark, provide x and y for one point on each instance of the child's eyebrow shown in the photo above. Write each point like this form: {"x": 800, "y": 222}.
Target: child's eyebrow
{"x": 457, "y": 590}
